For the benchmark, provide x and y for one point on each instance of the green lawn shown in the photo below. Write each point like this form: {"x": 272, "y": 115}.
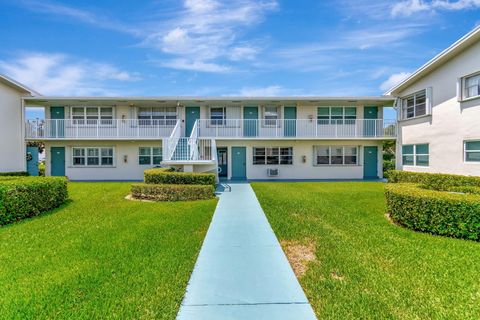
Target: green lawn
{"x": 101, "y": 256}
{"x": 366, "y": 267}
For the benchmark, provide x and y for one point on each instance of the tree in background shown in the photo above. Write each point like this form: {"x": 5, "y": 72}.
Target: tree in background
{"x": 39, "y": 144}
{"x": 389, "y": 147}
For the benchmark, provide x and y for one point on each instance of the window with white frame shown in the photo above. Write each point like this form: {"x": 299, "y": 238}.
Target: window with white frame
{"x": 218, "y": 115}
{"x": 335, "y": 155}
{"x": 414, "y": 105}
{"x": 472, "y": 151}
{"x": 149, "y": 155}
{"x": 92, "y": 156}
{"x": 92, "y": 115}
{"x": 271, "y": 114}
{"x": 336, "y": 115}
{"x": 272, "y": 155}
{"x": 472, "y": 86}
{"x": 415, "y": 155}
{"x": 157, "y": 116}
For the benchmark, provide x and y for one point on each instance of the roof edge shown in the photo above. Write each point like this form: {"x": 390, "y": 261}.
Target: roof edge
{"x": 432, "y": 62}
{"x": 17, "y": 85}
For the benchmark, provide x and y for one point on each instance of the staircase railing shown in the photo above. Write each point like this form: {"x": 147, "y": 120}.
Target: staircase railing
{"x": 172, "y": 141}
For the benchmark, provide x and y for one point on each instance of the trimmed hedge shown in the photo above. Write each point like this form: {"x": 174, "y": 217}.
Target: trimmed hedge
{"x": 14, "y": 174}
{"x": 437, "y": 212}
{"x": 435, "y": 181}
{"x": 172, "y": 192}
{"x": 25, "y": 197}
{"x": 167, "y": 176}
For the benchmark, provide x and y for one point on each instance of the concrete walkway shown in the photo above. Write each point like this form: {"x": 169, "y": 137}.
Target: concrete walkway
{"x": 242, "y": 272}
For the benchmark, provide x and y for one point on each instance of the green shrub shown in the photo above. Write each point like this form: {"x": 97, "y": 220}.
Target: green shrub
{"x": 435, "y": 181}
{"x": 25, "y": 197}
{"x": 167, "y": 176}
{"x": 41, "y": 169}
{"x": 437, "y": 212}
{"x": 172, "y": 192}
{"x": 388, "y": 165}
{"x": 14, "y": 174}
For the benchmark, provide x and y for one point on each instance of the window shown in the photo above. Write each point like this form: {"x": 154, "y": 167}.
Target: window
{"x": 415, "y": 155}
{"x": 149, "y": 156}
{"x": 472, "y": 86}
{"x": 92, "y": 115}
{"x": 271, "y": 115}
{"x": 336, "y": 115}
{"x": 92, "y": 156}
{"x": 157, "y": 116}
{"x": 472, "y": 151}
{"x": 415, "y": 105}
{"x": 218, "y": 115}
{"x": 273, "y": 156}
{"x": 336, "y": 155}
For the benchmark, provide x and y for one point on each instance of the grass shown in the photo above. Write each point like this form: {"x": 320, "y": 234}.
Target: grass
{"x": 366, "y": 267}
{"x": 101, "y": 256}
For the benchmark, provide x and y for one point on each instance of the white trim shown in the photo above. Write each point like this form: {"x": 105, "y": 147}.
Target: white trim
{"x": 415, "y": 154}
{"x": 330, "y": 164}
{"x": 72, "y": 165}
{"x": 465, "y": 151}
{"x": 279, "y": 156}
{"x": 452, "y": 50}
{"x": 151, "y": 156}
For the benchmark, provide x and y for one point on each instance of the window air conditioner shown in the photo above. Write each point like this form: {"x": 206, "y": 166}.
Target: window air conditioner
{"x": 272, "y": 172}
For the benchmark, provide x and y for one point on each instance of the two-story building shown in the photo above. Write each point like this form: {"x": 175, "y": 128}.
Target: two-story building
{"x": 117, "y": 138}
{"x": 438, "y": 109}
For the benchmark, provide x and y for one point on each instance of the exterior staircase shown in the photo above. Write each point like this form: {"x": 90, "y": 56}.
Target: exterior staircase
{"x": 190, "y": 153}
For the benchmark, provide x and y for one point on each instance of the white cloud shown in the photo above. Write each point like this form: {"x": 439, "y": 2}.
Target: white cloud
{"x": 59, "y": 74}
{"x": 393, "y": 80}
{"x": 195, "y": 65}
{"x": 243, "y": 53}
{"x": 269, "y": 91}
{"x": 103, "y": 21}
{"x": 196, "y": 37}
{"x": 409, "y": 7}
{"x": 207, "y": 32}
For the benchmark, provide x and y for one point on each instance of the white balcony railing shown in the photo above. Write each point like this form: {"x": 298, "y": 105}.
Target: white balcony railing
{"x": 299, "y": 128}
{"x": 99, "y": 129}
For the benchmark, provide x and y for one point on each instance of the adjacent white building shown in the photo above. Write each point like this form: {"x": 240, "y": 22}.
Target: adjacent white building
{"x": 439, "y": 112}
{"x": 12, "y": 129}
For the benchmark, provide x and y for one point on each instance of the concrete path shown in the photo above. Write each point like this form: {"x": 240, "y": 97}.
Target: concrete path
{"x": 242, "y": 272}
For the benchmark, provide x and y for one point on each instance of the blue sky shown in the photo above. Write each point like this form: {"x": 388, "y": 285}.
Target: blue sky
{"x": 213, "y": 47}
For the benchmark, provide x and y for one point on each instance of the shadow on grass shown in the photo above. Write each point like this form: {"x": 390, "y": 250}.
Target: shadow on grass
{"x": 39, "y": 216}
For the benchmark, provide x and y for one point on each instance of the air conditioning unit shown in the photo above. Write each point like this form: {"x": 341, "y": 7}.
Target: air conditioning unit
{"x": 272, "y": 172}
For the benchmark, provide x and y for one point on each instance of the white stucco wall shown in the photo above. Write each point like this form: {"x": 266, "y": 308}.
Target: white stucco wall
{"x": 131, "y": 170}
{"x": 12, "y": 142}
{"x": 121, "y": 170}
{"x": 451, "y": 122}
{"x": 300, "y": 169}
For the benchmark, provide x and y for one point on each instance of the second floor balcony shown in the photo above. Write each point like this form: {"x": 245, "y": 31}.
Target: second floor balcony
{"x": 297, "y": 129}
{"x": 99, "y": 129}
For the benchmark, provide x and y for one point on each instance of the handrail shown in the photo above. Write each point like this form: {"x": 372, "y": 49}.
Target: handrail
{"x": 98, "y": 128}
{"x": 173, "y": 140}
{"x": 297, "y": 128}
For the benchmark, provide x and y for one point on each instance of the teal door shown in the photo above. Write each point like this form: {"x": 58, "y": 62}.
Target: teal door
{"x": 222, "y": 156}
{"x": 32, "y": 161}
{"x": 58, "y": 161}
{"x": 57, "y": 128}
{"x": 239, "y": 163}
{"x": 290, "y": 125}
{"x": 192, "y": 114}
{"x": 370, "y": 114}
{"x": 370, "y": 162}
{"x": 250, "y": 121}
